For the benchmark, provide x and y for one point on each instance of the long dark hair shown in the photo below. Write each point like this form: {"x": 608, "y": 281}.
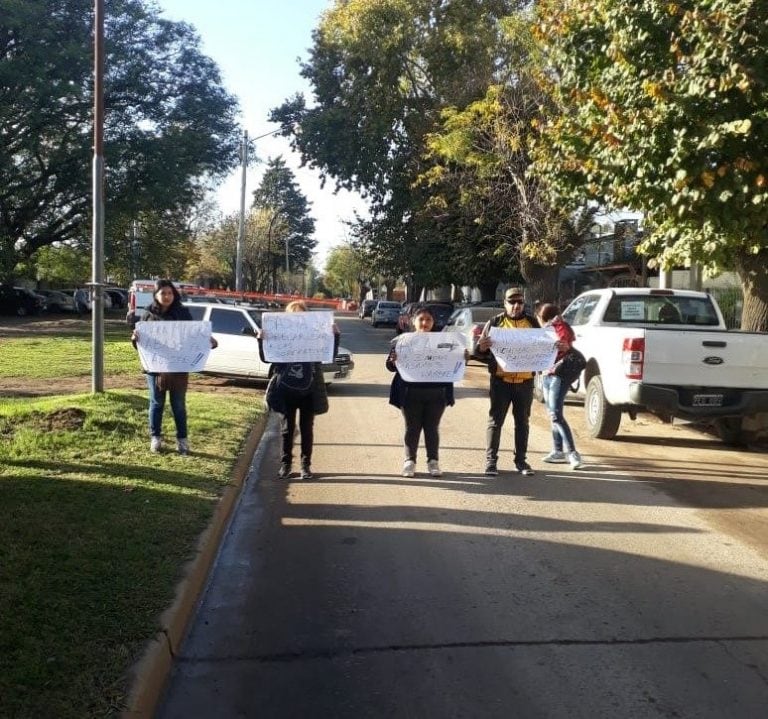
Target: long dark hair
{"x": 159, "y": 285}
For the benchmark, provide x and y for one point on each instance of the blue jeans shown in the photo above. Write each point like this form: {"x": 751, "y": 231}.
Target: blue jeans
{"x": 157, "y": 404}
{"x": 555, "y": 391}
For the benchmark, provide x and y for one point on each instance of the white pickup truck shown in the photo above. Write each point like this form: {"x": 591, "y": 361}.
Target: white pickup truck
{"x": 668, "y": 352}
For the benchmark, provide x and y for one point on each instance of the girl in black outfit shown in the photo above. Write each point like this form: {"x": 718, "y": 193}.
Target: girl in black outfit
{"x": 307, "y": 403}
{"x": 422, "y": 405}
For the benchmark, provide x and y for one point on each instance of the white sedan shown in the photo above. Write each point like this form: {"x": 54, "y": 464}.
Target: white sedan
{"x": 234, "y": 327}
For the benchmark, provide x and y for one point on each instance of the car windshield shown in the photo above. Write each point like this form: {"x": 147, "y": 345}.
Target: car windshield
{"x": 661, "y": 309}
{"x": 441, "y": 313}
{"x": 483, "y": 314}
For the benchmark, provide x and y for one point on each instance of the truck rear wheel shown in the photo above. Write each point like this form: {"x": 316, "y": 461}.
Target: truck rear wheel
{"x": 602, "y": 418}
{"x": 729, "y": 429}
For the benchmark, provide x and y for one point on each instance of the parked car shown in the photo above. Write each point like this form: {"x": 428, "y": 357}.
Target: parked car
{"x": 366, "y": 308}
{"x": 58, "y": 301}
{"x": 404, "y": 318}
{"x": 89, "y": 301}
{"x": 667, "y": 352}
{"x": 441, "y": 311}
{"x": 118, "y": 296}
{"x": 385, "y": 313}
{"x": 470, "y": 321}
{"x": 20, "y": 301}
{"x": 234, "y": 327}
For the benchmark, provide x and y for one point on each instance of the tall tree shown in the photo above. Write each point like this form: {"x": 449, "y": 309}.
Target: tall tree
{"x": 344, "y": 270}
{"x": 663, "y": 108}
{"x": 169, "y": 121}
{"x": 381, "y": 71}
{"x": 290, "y": 223}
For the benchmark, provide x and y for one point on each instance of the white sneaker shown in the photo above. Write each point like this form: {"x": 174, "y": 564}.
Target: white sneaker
{"x": 409, "y": 468}
{"x": 554, "y": 458}
{"x": 574, "y": 458}
{"x": 155, "y": 444}
{"x": 434, "y": 468}
{"x": 182, "y": 445}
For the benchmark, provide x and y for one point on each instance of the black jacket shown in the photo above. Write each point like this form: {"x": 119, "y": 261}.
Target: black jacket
{"x": 398, "y": 390}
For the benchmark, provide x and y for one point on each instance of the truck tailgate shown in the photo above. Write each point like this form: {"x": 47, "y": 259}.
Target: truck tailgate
{"x": 706, "y": 359}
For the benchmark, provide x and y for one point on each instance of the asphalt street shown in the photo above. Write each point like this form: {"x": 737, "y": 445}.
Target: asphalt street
{"x": 634, "y": 587}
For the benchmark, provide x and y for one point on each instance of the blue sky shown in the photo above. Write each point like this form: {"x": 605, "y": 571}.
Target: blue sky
{"x": 256, "y": 44}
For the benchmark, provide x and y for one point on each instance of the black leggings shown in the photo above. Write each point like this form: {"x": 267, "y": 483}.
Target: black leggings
{"x": 306, "y": 412}
{"x": 422, "y": 411}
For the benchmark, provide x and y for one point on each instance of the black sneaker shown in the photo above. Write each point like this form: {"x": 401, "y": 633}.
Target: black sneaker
{"x": 306, "y": 473}
{"x": 285, "y": 471}
{"x": 525, "y": 469}
{"x": 491, "y": 470}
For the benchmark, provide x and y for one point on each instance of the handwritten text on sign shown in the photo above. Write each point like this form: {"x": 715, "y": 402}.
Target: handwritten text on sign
{"x": 523, "y": 350}
{"x": 173, "y": 346}
{"x": 297, "y": 336}
{"x": 430, "y": 356}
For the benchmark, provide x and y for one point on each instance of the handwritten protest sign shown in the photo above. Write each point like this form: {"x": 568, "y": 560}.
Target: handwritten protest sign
{"x": 297, "y": 336}
{"x": 430, "y": 356}
{"x": 523, "y": 350}
{"x": 173, "y": 346}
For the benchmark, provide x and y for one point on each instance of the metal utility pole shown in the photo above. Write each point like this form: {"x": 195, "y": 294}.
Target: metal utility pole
{"x": 97, "y": 269}
{"x": 241, "y": 229}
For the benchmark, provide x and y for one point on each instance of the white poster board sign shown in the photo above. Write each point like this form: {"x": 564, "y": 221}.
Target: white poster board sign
{"x": 297, "y": 336}
{"x": 523, "y": 350}
{"x": 430, "y": 356}
{"x": 173, "y": 346}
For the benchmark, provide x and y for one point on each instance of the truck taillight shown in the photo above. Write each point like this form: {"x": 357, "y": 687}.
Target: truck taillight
{"x": 133, "y": 301}
{"x": 632, "y": 357}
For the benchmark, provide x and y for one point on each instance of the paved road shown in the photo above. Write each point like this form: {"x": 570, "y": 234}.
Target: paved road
{"x": 636, "y": 587}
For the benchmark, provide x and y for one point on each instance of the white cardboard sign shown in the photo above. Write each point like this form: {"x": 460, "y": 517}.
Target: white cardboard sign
{"x": 523, "y": 350}
{"x": 173, "y": 346}
{"x": 297, "y": 336}
{"x": 430, "y": 356}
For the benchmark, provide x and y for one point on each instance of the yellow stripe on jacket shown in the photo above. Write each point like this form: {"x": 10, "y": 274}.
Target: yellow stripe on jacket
{"x": 509, "y": 323}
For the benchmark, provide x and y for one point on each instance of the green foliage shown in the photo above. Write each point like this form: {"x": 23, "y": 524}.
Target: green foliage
{"x": 344, "y": 271}
{"x": 169, "y": 122}
{"x": 663, "y": 108}
{"x": 63, "y": 264}
{"x": 279, "y": 195}
{"x": 381, "y": 72}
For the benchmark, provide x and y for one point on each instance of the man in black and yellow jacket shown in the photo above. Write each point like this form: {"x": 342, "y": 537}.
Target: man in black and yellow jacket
{"x": 515, "y": 388}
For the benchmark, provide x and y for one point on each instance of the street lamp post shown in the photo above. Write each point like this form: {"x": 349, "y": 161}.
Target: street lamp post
{"x": 241, "y": 228}
{"x": 97, "y": 269}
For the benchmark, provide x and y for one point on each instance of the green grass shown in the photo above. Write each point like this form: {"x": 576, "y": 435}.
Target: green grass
{"x": 95, "y": 531}
{"x": 67, "y": 355}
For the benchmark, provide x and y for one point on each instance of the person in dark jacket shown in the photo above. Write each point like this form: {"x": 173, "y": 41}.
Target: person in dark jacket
{"x": 421, "y": 403}
{"x": 166, "y": 306}
{"x": 508, "y": 388}
{"x": 288, "y": 402}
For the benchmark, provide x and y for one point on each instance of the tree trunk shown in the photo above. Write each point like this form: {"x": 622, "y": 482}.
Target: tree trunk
{"x": 753, "y": 272}
{"x": 487, "y": 291}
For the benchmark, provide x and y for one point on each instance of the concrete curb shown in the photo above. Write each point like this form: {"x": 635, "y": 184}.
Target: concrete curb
{"x": 150, "y": 673}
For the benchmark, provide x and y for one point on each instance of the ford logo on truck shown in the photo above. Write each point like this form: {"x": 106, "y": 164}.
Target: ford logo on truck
{"x": 713, "y": 360}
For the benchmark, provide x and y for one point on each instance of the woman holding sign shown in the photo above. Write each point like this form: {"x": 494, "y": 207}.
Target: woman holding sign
{"x": 166, "y": 306}
{"x": 421, "y": 403}
{"x": 555, "y": 391}
{"x": 297, "y": 388}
